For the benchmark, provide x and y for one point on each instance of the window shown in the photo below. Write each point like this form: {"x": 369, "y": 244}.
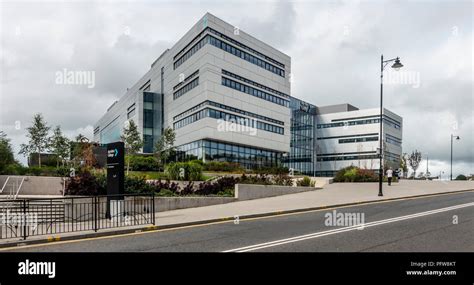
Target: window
{"x": 131, "y": 113}
{"x": 227, "y": 117}
{"x": 186, "y": 88}
{"x": 254, "y": 92}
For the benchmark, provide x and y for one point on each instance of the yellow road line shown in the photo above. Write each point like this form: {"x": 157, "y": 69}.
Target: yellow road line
{"x": 55, "y": 240}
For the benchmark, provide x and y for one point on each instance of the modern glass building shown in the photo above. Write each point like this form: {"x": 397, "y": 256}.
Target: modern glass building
{"x": 209, "y": 150}
{"x": 302, "y": 155}
{"x": 348, "y": 136}
{"x": 227, "y": 95}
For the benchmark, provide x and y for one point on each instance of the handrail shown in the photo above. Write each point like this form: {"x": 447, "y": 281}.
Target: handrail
{"x": 19, "y": 187}
{"x": 5, "y": 184}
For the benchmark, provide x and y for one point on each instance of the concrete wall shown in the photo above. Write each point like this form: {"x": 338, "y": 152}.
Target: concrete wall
{"x": 250, "y": 191}
{"x": 37, "y": 185}
{"x": 172, "y": 203}
{"x": 243, "y": 192}
{"x": 81, "y": 208}
{"x": 33, "y": 185}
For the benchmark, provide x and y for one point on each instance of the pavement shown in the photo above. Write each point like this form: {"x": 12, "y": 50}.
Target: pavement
{"x": 333, "y": 195}
{"x": 330, "y": 195}
{"x": 442, "y": 223}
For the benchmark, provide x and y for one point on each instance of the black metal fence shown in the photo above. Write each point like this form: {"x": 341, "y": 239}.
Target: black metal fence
{"x": 22, "y": 218}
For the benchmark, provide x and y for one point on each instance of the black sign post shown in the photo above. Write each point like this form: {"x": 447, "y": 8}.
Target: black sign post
{"x": 115, "y": 177}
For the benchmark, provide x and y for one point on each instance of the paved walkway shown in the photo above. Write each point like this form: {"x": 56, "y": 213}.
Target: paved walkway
{"x": 332, "y": 194}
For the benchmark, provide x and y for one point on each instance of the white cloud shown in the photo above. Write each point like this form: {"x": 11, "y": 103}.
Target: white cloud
{"x": 335, "y": 49}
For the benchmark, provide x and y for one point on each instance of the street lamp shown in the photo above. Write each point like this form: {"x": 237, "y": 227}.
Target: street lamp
{"x": 457, "y": 138}
{"x": 396, "y": 65}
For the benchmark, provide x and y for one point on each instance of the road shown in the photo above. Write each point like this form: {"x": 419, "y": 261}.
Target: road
{"x": 430, "y": 224}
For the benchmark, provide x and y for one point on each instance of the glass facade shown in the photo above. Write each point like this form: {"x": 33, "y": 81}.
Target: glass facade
{"x": 111, "y": 132}
{"x": 254, "y": 92}
{"x": 234, "y": 120}
{"x": 186, "y": 88}
{"x": 248, "y": 157}
{"x": 302, "y": 156}
{"x": 148, "y": 113}
{"x": 373, "y": 120}
{"x": 152, "y": 118}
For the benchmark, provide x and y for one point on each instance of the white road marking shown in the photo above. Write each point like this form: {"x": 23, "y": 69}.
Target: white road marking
{"x": 345, "y": 229}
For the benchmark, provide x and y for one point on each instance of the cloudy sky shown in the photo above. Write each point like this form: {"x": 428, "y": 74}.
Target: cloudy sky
{"x": 335, "y": 49}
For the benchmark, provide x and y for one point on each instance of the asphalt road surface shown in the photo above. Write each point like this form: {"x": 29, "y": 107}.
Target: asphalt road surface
{"x": 432, "y": 224}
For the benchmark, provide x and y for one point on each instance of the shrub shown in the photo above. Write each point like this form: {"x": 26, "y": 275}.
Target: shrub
{"x": 283, "y": 180}
{"x": 62, "y": 171}
{"x": 88, "y": 184}
{"x": 15, "y": 169}
{"x": 221, "y": 185}
{"x": 159, "y": 186}
{"x": 137, "y": 185}
{"x": 355, "y": 174}
{"x": 276, "y": 170}
{"x": 339, "y": 177}
{"x": 305, "y": 182}
{"x": 461, "y": 177}
{"x": 144, "y": 163}
{"x": 261, "y": 179}
{"x": 365, "y": 175}
{"x": 350, "y": 175}
{"x": 84, "y": 184}
{"x": 227, "y": 192}
{"x": 188, "y": 189}
{"x": 198, "y": 161}
{"x": 101, "y": 179}
{"x": 192, "y": 171}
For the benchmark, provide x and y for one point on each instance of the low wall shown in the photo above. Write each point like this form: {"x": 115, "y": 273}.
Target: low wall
{"x": 250, "y": 191}
{"x": 172, "y": 203}
{"x": 38, "y": 185}
{"x": 80, "y": 209}
{"x": 33, "y": 185}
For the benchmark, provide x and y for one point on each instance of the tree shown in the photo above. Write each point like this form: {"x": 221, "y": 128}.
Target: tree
{"x": 164, "y": 147}
{"x": 59, "y": 145}
{"x": 132, "y": 140}
{"x": 82, "y": 151}
{"x": 414, "y": 160}
{"x": 81, "y": 138}
{"x": 6, "y": 152}
{"x": 404, "y": 164}
{"x": 38, "y": 137}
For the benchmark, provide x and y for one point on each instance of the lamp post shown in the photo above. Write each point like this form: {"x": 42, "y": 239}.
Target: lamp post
{"x": 396, "y": 65}
{"x": 457, "y": 138}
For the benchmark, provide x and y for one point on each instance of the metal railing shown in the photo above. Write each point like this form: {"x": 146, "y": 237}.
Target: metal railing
{"x": 14, "y": 190}
{"x": 22, "y": 218}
